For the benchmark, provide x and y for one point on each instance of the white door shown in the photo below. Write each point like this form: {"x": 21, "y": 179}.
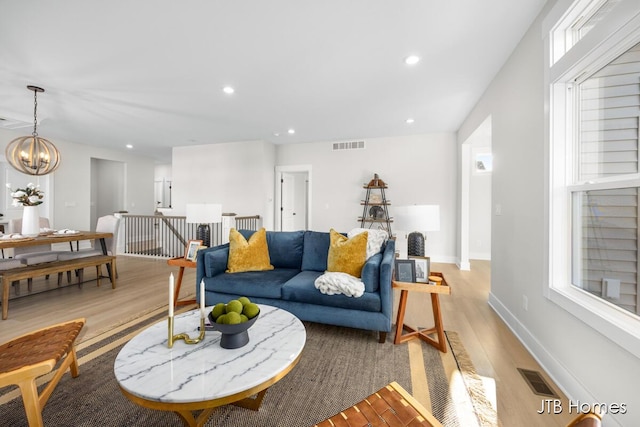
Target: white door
{"x": 292, "y": 207}
{"x": 287, "y": 210}
{"x": 294, "y": 194}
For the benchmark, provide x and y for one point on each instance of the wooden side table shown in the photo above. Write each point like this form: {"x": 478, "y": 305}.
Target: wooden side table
{"x": 423, "y": 334}
{"x": 182, "y": 263}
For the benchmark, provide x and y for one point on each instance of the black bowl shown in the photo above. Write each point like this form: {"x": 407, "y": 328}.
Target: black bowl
{"x": 233, "y": 336}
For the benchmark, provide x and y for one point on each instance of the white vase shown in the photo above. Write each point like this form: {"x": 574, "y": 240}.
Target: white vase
{"x": 30, "y": 221}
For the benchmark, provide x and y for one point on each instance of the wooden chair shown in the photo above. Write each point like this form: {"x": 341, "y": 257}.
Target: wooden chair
{"x": 32, "y": 255}
{"x": 108, "y": 224}
{"x": 27, "y": 357}
{"x": 390, "y": 406}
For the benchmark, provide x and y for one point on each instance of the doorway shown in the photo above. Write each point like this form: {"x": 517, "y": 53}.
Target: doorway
{"x": 107, "y": 188}
{"x": 475, "y": 207}
{"x": 293, "y": 198}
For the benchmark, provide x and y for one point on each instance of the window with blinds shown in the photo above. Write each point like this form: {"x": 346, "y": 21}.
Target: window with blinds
{"x": 605, "y": 232}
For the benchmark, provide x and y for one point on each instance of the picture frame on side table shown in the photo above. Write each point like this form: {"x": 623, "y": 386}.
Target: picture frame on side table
{"x": 405, "y": 270}
{"x": 192, "y": 249}
{"x": 423, "y": 268}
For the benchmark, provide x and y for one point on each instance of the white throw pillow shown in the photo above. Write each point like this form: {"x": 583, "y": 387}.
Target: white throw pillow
{"x": 375, "y": 239}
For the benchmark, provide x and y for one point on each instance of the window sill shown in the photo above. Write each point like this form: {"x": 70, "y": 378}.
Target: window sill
{"x": 620, "y": 327}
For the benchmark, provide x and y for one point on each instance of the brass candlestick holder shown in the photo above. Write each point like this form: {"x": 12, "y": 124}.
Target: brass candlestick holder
{"x": 183, "y": 336}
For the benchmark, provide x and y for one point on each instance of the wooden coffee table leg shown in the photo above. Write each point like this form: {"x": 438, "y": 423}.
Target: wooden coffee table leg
{"x": 249, "y": 403}
{"x": 187, "y": 418}
{"x": 252, "y": 403}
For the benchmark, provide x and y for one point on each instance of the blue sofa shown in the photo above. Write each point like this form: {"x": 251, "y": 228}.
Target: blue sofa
{"x": 299, "y": 257}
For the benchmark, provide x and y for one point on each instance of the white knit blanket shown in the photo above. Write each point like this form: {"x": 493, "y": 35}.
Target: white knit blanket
{"x": 332, "y": 283}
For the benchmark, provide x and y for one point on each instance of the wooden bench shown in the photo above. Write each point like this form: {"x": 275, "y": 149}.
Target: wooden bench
{"x": 9, "y": 276}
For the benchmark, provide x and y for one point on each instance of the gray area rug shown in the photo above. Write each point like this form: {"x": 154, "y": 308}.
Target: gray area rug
{"x": 338, "y": 368}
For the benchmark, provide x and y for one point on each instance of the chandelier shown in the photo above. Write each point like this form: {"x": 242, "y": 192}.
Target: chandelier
{"x": 33, "y": 155}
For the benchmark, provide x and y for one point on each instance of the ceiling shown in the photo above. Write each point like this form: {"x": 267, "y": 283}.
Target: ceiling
{"x": 151, "y": 73}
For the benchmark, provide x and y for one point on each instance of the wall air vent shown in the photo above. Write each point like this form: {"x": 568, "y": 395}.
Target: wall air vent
{"x": 351, "y": 145}
{"x": 7, "y": 123}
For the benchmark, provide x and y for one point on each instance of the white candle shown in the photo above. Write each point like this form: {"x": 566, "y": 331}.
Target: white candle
{"x": 202, "y": 299}
{"x": 171, "y": 291}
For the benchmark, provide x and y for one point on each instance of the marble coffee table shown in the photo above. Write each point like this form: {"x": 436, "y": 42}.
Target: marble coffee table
{"x": 203, "y": 376}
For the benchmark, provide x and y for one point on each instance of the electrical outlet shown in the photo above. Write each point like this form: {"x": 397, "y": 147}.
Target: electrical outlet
{"x": 498, "y": 209}
{"x": 525, "y": 303}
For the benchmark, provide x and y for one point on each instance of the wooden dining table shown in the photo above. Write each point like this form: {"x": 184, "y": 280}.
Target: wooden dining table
{"x": 21, "y": 272}
{"x": 51, "y": 238}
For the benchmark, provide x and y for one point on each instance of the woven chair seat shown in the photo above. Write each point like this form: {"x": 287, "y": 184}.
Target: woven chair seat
{"x": 27, "y": 357}
{"x": 390, "y": 406}
{"x": 46, "y": 344}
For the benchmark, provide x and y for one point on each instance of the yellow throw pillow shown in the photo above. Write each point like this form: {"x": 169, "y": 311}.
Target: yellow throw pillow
{"x": 347, "y": 255}
{"x": 248, "y": 256}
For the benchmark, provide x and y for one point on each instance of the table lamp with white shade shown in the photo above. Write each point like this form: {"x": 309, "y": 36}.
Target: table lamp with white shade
{"x": 204, "y": 214}
{"x": 420, "y": 219}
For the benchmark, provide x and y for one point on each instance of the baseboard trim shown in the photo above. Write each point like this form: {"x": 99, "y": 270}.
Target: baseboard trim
{"x": 443, "y": 259}
{"x": 482, "y": 256}
{"x": 563, "y": 379}
{"x": 464, "y": 266}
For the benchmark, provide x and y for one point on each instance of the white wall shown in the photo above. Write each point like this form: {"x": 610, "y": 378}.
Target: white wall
{"x": 238, "y": 175}
{"x": 9, "y": 175}
{"x": 71, "y": 182}
{"x": 480, "y": 217}
{"x": 587, "y": 365}
{"x": 418, "y": 169}
{"x": 479, "y": 195}
{"x": 162, "y": 172}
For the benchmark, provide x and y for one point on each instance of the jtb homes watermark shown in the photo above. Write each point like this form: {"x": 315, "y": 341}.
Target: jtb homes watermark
{"x": 554, "y": 406}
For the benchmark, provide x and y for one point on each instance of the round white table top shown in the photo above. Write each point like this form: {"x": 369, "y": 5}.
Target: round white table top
{"x": 147, "y": 368}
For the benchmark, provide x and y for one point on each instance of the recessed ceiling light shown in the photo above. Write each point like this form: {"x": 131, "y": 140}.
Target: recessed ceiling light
{"x": 129, "y": 146}
{"x": 276, "y": 134}
{"x": 228, "y": 90}
{"x": 291, "y": 131}
{"x": 412, "y": 60}
{"x": 409, "y": 120}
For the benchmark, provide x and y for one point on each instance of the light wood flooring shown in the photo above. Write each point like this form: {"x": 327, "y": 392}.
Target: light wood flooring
{"x": 143, "y": 287}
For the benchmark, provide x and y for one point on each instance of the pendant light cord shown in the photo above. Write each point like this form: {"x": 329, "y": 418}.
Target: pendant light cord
{"x": 35, "y": 113}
